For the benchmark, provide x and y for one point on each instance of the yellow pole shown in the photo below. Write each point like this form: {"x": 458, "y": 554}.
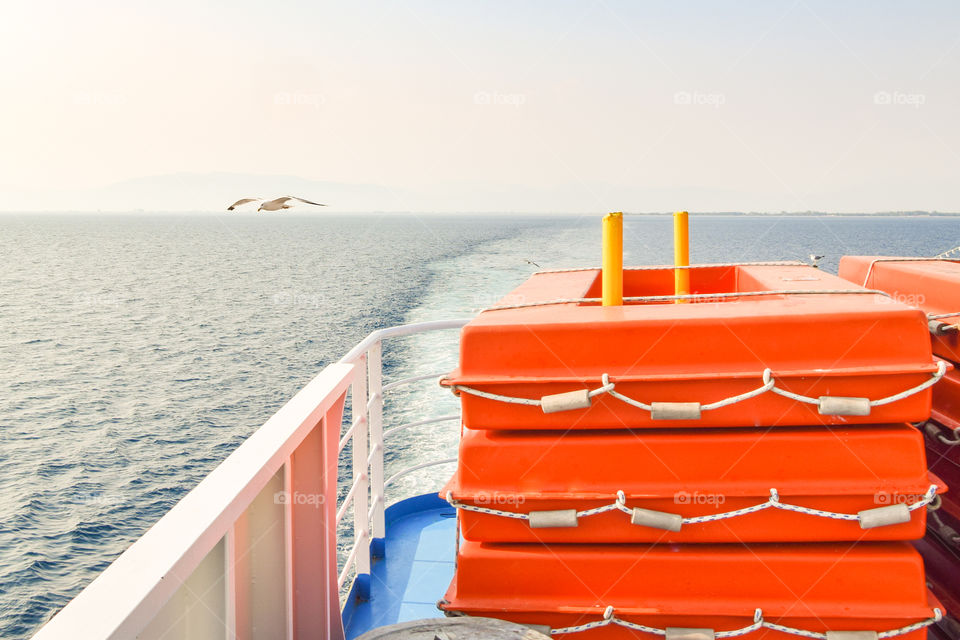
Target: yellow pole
{"x": 681, "y": 254}
{"x": 612, "y": 277}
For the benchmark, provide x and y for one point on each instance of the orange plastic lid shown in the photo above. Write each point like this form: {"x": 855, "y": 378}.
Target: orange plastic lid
{"x": 859, "y": 345}
{"x": 822, "y": 586}
{"x": 933, "y": 286}
{"x": 691, "y": 473}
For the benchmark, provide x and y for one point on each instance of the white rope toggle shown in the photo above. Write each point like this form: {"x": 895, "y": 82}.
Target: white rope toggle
{"x": 852, "y": 635}
{"x": 826, "y": 405}
{"x": 868, "y": 518}
{"x": 676, "y": 633}
{"x": 685, "y": 633}
{"x": 842, "y": 406}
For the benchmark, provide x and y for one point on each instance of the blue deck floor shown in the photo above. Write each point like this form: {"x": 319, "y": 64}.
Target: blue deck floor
{"x": 414, "y": 568}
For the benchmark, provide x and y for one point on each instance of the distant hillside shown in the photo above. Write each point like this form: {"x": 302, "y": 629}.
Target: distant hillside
{"x": 214, "y": 191}
{"x": 204, "y": 192}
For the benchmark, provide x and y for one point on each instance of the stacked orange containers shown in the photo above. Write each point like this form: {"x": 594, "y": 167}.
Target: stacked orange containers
{"x": 738, "y": 466}
{"x": 933, "y": 286}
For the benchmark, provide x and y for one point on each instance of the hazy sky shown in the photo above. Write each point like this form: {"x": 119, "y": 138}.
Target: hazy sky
{"x": 633, "y": 105}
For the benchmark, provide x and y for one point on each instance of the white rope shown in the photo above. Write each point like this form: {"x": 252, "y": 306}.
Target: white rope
{"x": 935, "y": 377}
{"x": 691, "y": 296}
{"x": 931, "y": 316}
{"x": 533, "y": 402}
{"x": 947, "y": 253}
{"x": 773, "y": 502}
{"x": 769, "y": 384}
{"x": 609, "y": 618}
{"x": 785, "y": 263}
{"x": 940, "y": 258}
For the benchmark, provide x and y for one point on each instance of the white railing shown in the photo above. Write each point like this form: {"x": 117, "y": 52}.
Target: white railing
{"x": 252, "y": 550}
{"x": 368, "y": 487}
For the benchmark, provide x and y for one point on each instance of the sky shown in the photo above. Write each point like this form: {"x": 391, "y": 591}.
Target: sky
{"x": 483, "y": 106}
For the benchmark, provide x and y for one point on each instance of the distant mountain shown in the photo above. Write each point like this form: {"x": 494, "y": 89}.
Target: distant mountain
{"x": 205, "y": 192}
{"x": 215, "y": 191}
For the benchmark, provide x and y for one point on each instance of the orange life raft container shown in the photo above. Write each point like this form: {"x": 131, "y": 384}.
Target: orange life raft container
{"x": 658, "y": 588}
{"x": 928, "y": 283}
{"x": 772, "y": 345}
{"x": 709, "y": 485}
{"x": 946, "y": 401}
{"x": 933, "y": 286}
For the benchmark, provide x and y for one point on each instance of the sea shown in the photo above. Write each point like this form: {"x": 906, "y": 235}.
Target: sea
{"x": 137, "y": 351}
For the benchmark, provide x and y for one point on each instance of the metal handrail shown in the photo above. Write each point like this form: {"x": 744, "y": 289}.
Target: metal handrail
{"x": 365, "y": 345}
{"x": 200, "y": 537}
{"x": 284, "y": 474}
{"x": 420, "y": 423}
{"x": 350, "y": 495}
{"x": 417, "y": 467}
{"x": 357, "y": 422}
{"x": 398, "y": 383}
{"x": 368, "y": 487}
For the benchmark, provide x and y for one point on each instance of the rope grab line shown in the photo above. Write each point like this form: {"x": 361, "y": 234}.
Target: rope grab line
{"x": 940, "y": 258}
{"x": 671, "y": 633}
{"x": 785, "y": 263}
{"x": 947, "y": 253}
{"x": 692, "y": 296}
{"x": 582, "y": 399}
{"x": 868, "y": 518}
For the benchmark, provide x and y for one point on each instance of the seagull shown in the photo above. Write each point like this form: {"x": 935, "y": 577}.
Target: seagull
{"x": 815, "y": 259}
{"x": 241, "y": 202}
{"x": 532, "y": 262}
{"x": 283, "y": 203}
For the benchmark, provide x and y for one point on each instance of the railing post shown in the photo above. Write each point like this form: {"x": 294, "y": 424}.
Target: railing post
{"x": 361, "y": 473}
{"x": 375, "y": 413}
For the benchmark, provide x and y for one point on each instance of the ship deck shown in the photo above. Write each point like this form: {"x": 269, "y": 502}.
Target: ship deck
{"x": 410, "y": 569}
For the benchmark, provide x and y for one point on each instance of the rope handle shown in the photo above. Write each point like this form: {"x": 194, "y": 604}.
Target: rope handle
{"x": 868, "y": 518}
{"x": 582, "y": 399}
{"x": 670, "y": 633}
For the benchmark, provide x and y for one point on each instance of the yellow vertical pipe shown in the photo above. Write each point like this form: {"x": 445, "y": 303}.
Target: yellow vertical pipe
{"x": 611, "y": 278}
{"x": 681, "y": 253}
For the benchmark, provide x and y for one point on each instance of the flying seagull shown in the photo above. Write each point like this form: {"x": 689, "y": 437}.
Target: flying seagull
{"x": 241, "y": 202}
{"x": 283, "y": 203}
{"x": 531, "y": 262}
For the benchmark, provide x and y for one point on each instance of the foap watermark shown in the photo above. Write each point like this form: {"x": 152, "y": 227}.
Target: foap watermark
{"x": 699, "y": 98}
{"x": 499, "y": 99}
{"x": 96, "y": 300}
{"x": 900, "y": 98}
{"x": 885, "y": 498}
{"x": 685, "y": 497}
{"x": 912, "y": 299}
{"x": 498, "y": 498}
{"x": 291, "y": 299}
{"x": 97, "y": 498}
{"x": 704, "y": 298}
{"x": 485, "y": 300}
{"x": 296, "y": 498}
{"x": 298, "y": 99}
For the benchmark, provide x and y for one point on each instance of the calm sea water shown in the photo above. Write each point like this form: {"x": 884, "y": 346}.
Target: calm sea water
{"x": 137, "y": 352}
